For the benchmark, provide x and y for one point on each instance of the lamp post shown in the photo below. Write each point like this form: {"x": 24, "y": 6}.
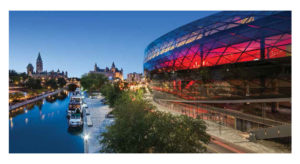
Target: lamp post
{"x": 86, "y": 138}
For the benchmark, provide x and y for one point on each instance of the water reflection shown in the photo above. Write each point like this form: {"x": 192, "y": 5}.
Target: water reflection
{"x": 24, "y": 109}
{"x": 39, "y": 104}
{"x": 15, "y": 112}
{"x": 51, "y": 99}
{"x": 60, "y": 96}
{"x": 11, "y": 122}
{"x": 75, "y": 131}
{"x": 43, "y": 117}
{"x": 30, "y": 106}
{"x": 49, "y": 122}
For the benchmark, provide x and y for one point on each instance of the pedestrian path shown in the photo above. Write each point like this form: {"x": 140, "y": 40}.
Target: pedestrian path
{"x": 93, "y": 124}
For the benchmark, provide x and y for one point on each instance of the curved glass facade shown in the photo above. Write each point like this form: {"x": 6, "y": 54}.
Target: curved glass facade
{"x": 223, "y": 38}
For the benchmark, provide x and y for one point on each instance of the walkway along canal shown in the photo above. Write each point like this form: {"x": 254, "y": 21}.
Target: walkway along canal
{"x": 96, "y": 113}
{"x": 33, "y": 100}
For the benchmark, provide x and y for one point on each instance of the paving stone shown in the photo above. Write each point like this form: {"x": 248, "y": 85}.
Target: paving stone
{"x": 97, "y": 114}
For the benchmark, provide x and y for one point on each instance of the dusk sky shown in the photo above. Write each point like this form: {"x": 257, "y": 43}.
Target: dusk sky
{"x": 74, "y": 41}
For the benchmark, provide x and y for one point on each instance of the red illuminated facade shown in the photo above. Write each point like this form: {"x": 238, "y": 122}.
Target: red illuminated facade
{"x": 223, "y": 38}
{"x": 226, "y": 56}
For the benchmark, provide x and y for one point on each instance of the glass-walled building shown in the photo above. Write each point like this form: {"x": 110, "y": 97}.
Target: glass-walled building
{"x": 231, "y": 55}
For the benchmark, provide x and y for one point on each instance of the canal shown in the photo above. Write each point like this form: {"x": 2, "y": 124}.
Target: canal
{"x": 42, "y": 127}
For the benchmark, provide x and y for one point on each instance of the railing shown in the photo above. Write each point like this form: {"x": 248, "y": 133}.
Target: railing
{"x": 271, "y": 132}
{"x": 236, "y": 114}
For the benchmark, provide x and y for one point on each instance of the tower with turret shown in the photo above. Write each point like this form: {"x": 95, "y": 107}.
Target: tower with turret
{"x": 39, "y": 64}
{"x": 29, "y": 69}
{"x": 113, "y": 67}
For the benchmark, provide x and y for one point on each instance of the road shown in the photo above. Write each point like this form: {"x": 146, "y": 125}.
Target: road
{"x": 216, "y": 145}
{"x": 220, "y": 146}
{"x": 267, "y": 100}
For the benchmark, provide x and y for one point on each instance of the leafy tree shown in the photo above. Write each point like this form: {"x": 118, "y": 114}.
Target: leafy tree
{"x": 93, "y": 82}
{"x": 72, "y": 87}
{"x": 111, "y": 93}
{"x": 140, "y": 129}
{"x": 33, "y": 83}
{"x": 51, "y": 83}
{"x": 61, "y": 82}
{"x": 17, "y": 78}
{"x": 177, "y": 134}
{"x": 127, "y": 134}
{"x": 12, "y": 73}
{"x": 15, "y": 96}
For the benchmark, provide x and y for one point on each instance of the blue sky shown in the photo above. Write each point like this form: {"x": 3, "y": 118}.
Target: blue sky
{"x": 76, "y": 40}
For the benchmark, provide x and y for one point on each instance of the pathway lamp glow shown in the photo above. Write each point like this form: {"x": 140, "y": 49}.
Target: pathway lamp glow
{"x": 86, "y": 137}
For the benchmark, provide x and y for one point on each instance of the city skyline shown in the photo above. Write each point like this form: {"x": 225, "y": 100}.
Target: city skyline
{"x": 74, "y": 41}
{"x": 217, "y": 84}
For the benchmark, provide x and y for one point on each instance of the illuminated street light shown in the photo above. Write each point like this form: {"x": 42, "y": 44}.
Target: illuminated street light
{"x": 86, "y": 137}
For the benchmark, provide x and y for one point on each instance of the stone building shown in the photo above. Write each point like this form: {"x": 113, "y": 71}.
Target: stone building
{"x": 111, "y": 73}
{"x": 39, "y": 64}
{"x": 134, "y": 77}
{"x": 44, "y": 74}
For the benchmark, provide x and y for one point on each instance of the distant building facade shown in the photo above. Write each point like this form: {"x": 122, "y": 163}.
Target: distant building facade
{"x": 134, "y": 77}
{"x": 111, "y": 73}
{"x": 29, "y": 69}
{"x": 44, "y": 74}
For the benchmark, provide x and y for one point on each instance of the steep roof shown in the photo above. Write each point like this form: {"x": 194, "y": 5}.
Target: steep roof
{"x": 39, "y": 57}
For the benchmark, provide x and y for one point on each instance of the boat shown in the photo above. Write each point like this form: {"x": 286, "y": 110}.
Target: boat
{"x": 75, "y": 120}
{"x": 76, "y": 103}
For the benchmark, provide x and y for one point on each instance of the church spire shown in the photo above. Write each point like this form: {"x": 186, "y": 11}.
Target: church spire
{"x": 39, "y": 56}
{"x": 113, "y": 65}
{"x": 39, "y": 64}
{"x": 96, "y": 67}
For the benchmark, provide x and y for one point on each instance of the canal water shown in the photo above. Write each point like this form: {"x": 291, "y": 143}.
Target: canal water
{"x": 42, "y": 127}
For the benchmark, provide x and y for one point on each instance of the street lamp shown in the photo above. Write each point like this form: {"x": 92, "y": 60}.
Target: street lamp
{"x": 86, "y": 138}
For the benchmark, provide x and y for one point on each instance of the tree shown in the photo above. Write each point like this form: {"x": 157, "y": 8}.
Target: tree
{"x": 12, "y": 73}
{"x": 51, "y": 83}
{"x": 111, "y": 93}
{"x": 16, "y": 96}
{"x": 32, "y": 83}
{"x": 17, "y": 78}
{"x": 72, "y": 87}
{"x": 127, "y": 134}
{"x": 93, "y": 82}
{"x": 140, "y": 129}
{"x": 61, "y": 82}
{"x": 177, "y": 134}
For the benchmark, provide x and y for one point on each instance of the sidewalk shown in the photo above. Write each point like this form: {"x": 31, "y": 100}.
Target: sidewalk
{"x": 97, "y": 112}
{"x": 235, "y": 137}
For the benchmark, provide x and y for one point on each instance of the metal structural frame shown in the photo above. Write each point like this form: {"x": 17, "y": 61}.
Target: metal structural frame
{"x": 223, "y": 38}
{"x": 230, "y": 55}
